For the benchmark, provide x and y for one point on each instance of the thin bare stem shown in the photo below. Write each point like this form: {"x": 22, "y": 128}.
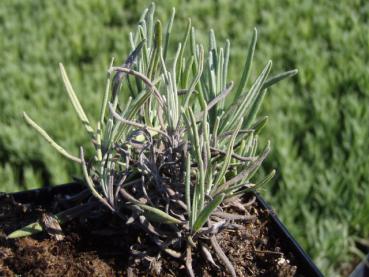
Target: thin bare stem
{"x": 218, "y": 98}
{"x": 146, "y": 80}
{"x": 189, "y": 261}
{"x": 91, "y": 184}
{"x": 246, "y": 172}
{"x": 218, "y": 250}
{"x": 234, "y": 155}
{"x": 135, "y": 124}
{"x": 208, "y": 255}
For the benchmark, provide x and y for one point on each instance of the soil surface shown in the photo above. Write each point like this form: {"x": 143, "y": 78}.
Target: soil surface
{"x": 101, "y": 246}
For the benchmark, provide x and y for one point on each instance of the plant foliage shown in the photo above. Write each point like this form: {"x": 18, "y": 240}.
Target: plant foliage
{"x": 317, "y": 125}
{"x": 180, "y": 147}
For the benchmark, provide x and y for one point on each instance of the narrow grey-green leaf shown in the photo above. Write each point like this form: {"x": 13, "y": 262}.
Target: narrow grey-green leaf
{"x": 128, "y": 63}
{"x": 226, "y": 62}
{"x": 247, "y": 171}
{"x": 30, "y": 229}
{"x": 242, "y": 107}
{"x": 199, "y": 69}
{"x": 259, "y": 125}
{"x": 228, "y": 156}
{"x": 155, "y": 57}
{"x": 104, "y": 102}
{"x": 90, "y": 183}
{"x": 150, "y": 24}
{"x": 158, "y": 215}
{"x": 275, "y": 79}
{"x": 45, "y": 135}
{"x": 62, "y": 217}
{"x": 255, "y": 107}
{"x": 197, "y": 145}
{"x": 75, "y": 102}
{"x": 248, "y": 64}
{"x": 184, "y": 43}
{"x": 238, "y": 191}
{"x": 206, "y": 212}
{"x": 188, "y": 187}
{"x": 266, "y": 179}
{"x": 167, "y": 32}
{"x": 213, "y": 43}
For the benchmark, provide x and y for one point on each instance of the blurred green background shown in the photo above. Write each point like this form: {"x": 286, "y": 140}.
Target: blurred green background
{"x": 318, "y": 120}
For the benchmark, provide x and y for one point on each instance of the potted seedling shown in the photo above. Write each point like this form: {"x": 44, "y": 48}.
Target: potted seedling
{"x": 170, "y": 187}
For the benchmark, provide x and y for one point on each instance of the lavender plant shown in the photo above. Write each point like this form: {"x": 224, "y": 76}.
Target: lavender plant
{"x": 179, "y": 149}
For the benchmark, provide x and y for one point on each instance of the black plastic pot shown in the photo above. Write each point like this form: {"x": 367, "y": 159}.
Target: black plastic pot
{"x": 306, "y": 267}
{"x": 362, "y": 269}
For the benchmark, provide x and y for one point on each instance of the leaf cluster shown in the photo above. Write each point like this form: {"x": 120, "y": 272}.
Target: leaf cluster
{"x": 177, "y": 150}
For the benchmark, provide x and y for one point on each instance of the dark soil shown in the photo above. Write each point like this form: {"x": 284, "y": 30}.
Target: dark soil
{"x": 100, "y": 246}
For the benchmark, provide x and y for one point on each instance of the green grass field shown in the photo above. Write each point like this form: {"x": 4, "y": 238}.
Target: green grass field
{"x": 318, "y": 120}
